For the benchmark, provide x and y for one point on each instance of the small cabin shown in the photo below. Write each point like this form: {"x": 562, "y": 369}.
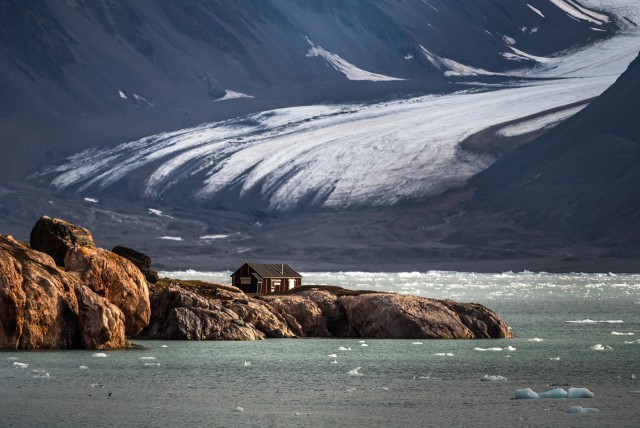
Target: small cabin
{"x": 266, "y": 278}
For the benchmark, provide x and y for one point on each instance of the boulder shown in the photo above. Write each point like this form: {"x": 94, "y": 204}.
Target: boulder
{"x": 116, "y": 279}
{"x": 55, "y": 237}
{"x": 142, "y": 262}
{"x": 44, "y": 307}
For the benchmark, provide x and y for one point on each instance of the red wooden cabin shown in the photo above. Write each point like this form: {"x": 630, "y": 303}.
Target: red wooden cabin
{"x": 266, "y": 278}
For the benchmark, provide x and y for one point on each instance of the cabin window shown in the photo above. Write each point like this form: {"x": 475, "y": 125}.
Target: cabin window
{"x": 275, "y": 283}
{"x": 292, "y": 283}
{"x": 245, "y": 280}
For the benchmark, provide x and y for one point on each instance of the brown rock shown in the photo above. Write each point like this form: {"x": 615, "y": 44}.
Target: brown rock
{"x": 44, "y": 307}
{"x": 260, "y": 315}
{"x": 55, "y": 237}
{"x": 116, "y": 279}
{"x": 302, "y": 314}
{"x": 142, "y": 262}
{"x": 181, "y": 314}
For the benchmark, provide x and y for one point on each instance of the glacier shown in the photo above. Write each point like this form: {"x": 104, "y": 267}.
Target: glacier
{"x": 353, "y": 155}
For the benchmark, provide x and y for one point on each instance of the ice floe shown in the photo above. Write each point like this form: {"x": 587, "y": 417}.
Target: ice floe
{"x": 582, "y": 410}
{"x": 416, "y": 343}
{"x": 528, "y": 393}
{"x": 590, "y": 321}
{"x": 147, "y": 358}
{"x": 443, "y": 354}
{"x": 495, "y": 349}
{"x": 342, "y": 348}
{"x": 239, "y": 409}
{"x": 247, "y": 364}
{"x": 535, "y": 339}
{"x": 99, "y": 355}
{"x": 601, "y": 347}
{"x": 618, "y": 333}
{"x": 19, "y": 365}
{"x": 83, "y": 368}
{"x": 493, "y": 378}
{"x": 355, "y": 372}
{"x": 333, "y": 355}
{"x": 40, "y": 374}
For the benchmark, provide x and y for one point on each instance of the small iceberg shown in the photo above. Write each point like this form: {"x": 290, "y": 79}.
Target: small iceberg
{"x": 600, "y": 347}
{"x": 247, "y": 363}
{"x": 510, "y": 348}
{"x": 363, "y": 344}
{"x": 416, "y": 343}
{"x": 443, "y": 354}
{"x": 579, "y": 393}
{"x": 99, "y": 355}
{"x": 342, "y": 348}
{"x": 582, "y": 410}
{"x": 355, "y": 372}
{"x": 488, "y": 349}
{"x": 553, "y": 393}
{"x": 147, "y": 358}
{"x": 492, "y": 378}
{"x": 20, "y": 365}
{"x": 239, "y": 409}
{"x": 83, "y": 368}
{"x": 164, "y": 346}
{"x": 617, "y": 333}
{"x": 525, "y": 393}
{"x": 535, "y": 339}
{"x": 334, "y": 362}
{"x": 333, "y": 356}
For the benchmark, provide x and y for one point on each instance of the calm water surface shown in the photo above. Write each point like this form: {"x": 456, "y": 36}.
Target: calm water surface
{"x": 401, "y": 383}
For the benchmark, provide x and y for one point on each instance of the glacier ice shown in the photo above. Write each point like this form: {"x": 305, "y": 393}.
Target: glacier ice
{"x": 553, "y": 393}
{"x": 493, "y": 378}
{"x": 579, "y": 393}
{"x": 525, "y": 393}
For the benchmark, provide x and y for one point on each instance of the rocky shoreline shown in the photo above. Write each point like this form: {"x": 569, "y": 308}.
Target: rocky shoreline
{"x": 62, "y": 292}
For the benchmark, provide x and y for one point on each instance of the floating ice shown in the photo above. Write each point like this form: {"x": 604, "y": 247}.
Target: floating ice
{"x": 247, "y": 363}
{"x": 333, "y": 355}
{"x": 579, "y": 393}
{"x": 416, "y": 343}
{"x": 99, "y": 355}
{"x": 589, "y": 321}
{"x": 428, "y": 377}
{"x": 12, "y": 358}
{"x": 151, "y": 364}
{"x": 361, "y": 341}
{"x": 96, "y": 385}
{"x": 164, "y": 346}
{"x": 617, "y": 333}
{"x": 553, "y": 393}
{"x": 355, "y": 372}
{"x": 600, "y": 347}
{"x": 147, "y": 358}
{"x": 535, "y": 339}
{"x": 239, "y": 409}
{"x": 555, "y": 358}
{"x": 510, "y": 348}
{"x": 633, "y": 376}
{"x": 488, "y": 349}
{"x": 492, "y": 378}
{"x": 342, "y": 348}
{"x": 40, "y": 374}
{"x": 301, "y": 414}
{"x": 525, "y": 393}
{"x": 334, "y": 362}
{"x": 21, "y": 365}
{"x": 443, "y": 354}
{"x": 582, "y": 410}
{"x": 363, "y": 344}
{"x": 83, "y": 368}
{"x": 629, "y": 342}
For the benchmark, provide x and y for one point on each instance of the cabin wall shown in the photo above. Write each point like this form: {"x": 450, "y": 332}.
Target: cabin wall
{"x": 246, "y": 281}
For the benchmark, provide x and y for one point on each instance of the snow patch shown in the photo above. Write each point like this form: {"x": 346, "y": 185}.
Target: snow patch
{"x": 453, "y": 68}
{"x": 539, "y": 123}
{"x": 171, "y": 238}
{"x": 509, "y": 40}
{"x": 349, "y": 70}
{"x": 92, "y": 200}
{"x": 122, "y": 95}
{"x": 519, "y": 55}
{"x": 580, "y": 13}
{"x": 232, "y": 95}
{"x": 535, "y": 10}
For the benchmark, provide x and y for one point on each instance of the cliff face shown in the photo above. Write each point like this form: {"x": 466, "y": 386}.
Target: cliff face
{"x": 316, "y": 312}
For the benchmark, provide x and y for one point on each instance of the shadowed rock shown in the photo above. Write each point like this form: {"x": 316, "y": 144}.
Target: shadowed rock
{"x": 55, "y": 237}
{"x": 142, "y": 262}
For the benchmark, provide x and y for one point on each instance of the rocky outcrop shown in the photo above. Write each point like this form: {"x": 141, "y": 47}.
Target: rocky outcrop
{"x": 116, "y": 279}
{"x": 44, "y": 307}
{"x": 335, "y": 312}
{"x": 142, "y": 262}
{"x": 178, "y": 313}
{"x": 55, "y": 237}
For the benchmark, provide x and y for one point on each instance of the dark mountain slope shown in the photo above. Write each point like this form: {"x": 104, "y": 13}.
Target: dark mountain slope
{"x": 580, "y": 179}
{"x": 80, "y": 73}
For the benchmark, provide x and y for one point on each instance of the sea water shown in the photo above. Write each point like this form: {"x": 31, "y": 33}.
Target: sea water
{"x": 573, "y": 330}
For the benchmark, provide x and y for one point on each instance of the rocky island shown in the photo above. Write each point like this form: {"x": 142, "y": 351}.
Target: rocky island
{"x": 63, "y": 292}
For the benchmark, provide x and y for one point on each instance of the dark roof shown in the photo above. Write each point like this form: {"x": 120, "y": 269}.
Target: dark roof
{"x": 274, "y": 270}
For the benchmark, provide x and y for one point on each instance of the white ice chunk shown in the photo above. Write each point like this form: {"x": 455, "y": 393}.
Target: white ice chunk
{"x": 443, "y": 354}
{"x": 342, "y": 348}
{"x": 19, "y": 365}
{"x": 510, "y": 348}
{"x": 493, "y": 378}
{"x": 535, "y": 339}
{"x": 525, "y": 393}
{"x": 147, "y": 358}
{"x": 496, "y": 349}
{"x": 582, "y": 410}
{"x": 83, "y": 368}
{"x": 212, "y": 237}
{"x": 509, "y": 40}
{"x": 247, "y": 363}
{"x": 601, "y": 347}
{"x": 363, "y": 344}
{"x": 416, "y": 343}
{"x": 239, "y": 409}
{"x": 334, "y": 362}
{"x": 355, "y": 372}
{"x": 617, "y": 333}
{"x": 333, "y": 356}
{"x": 579, "y": 393}
{"x": 553, "y": 393}
{"x": 99, "y": 355}
{"x": 590, "y": 321}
